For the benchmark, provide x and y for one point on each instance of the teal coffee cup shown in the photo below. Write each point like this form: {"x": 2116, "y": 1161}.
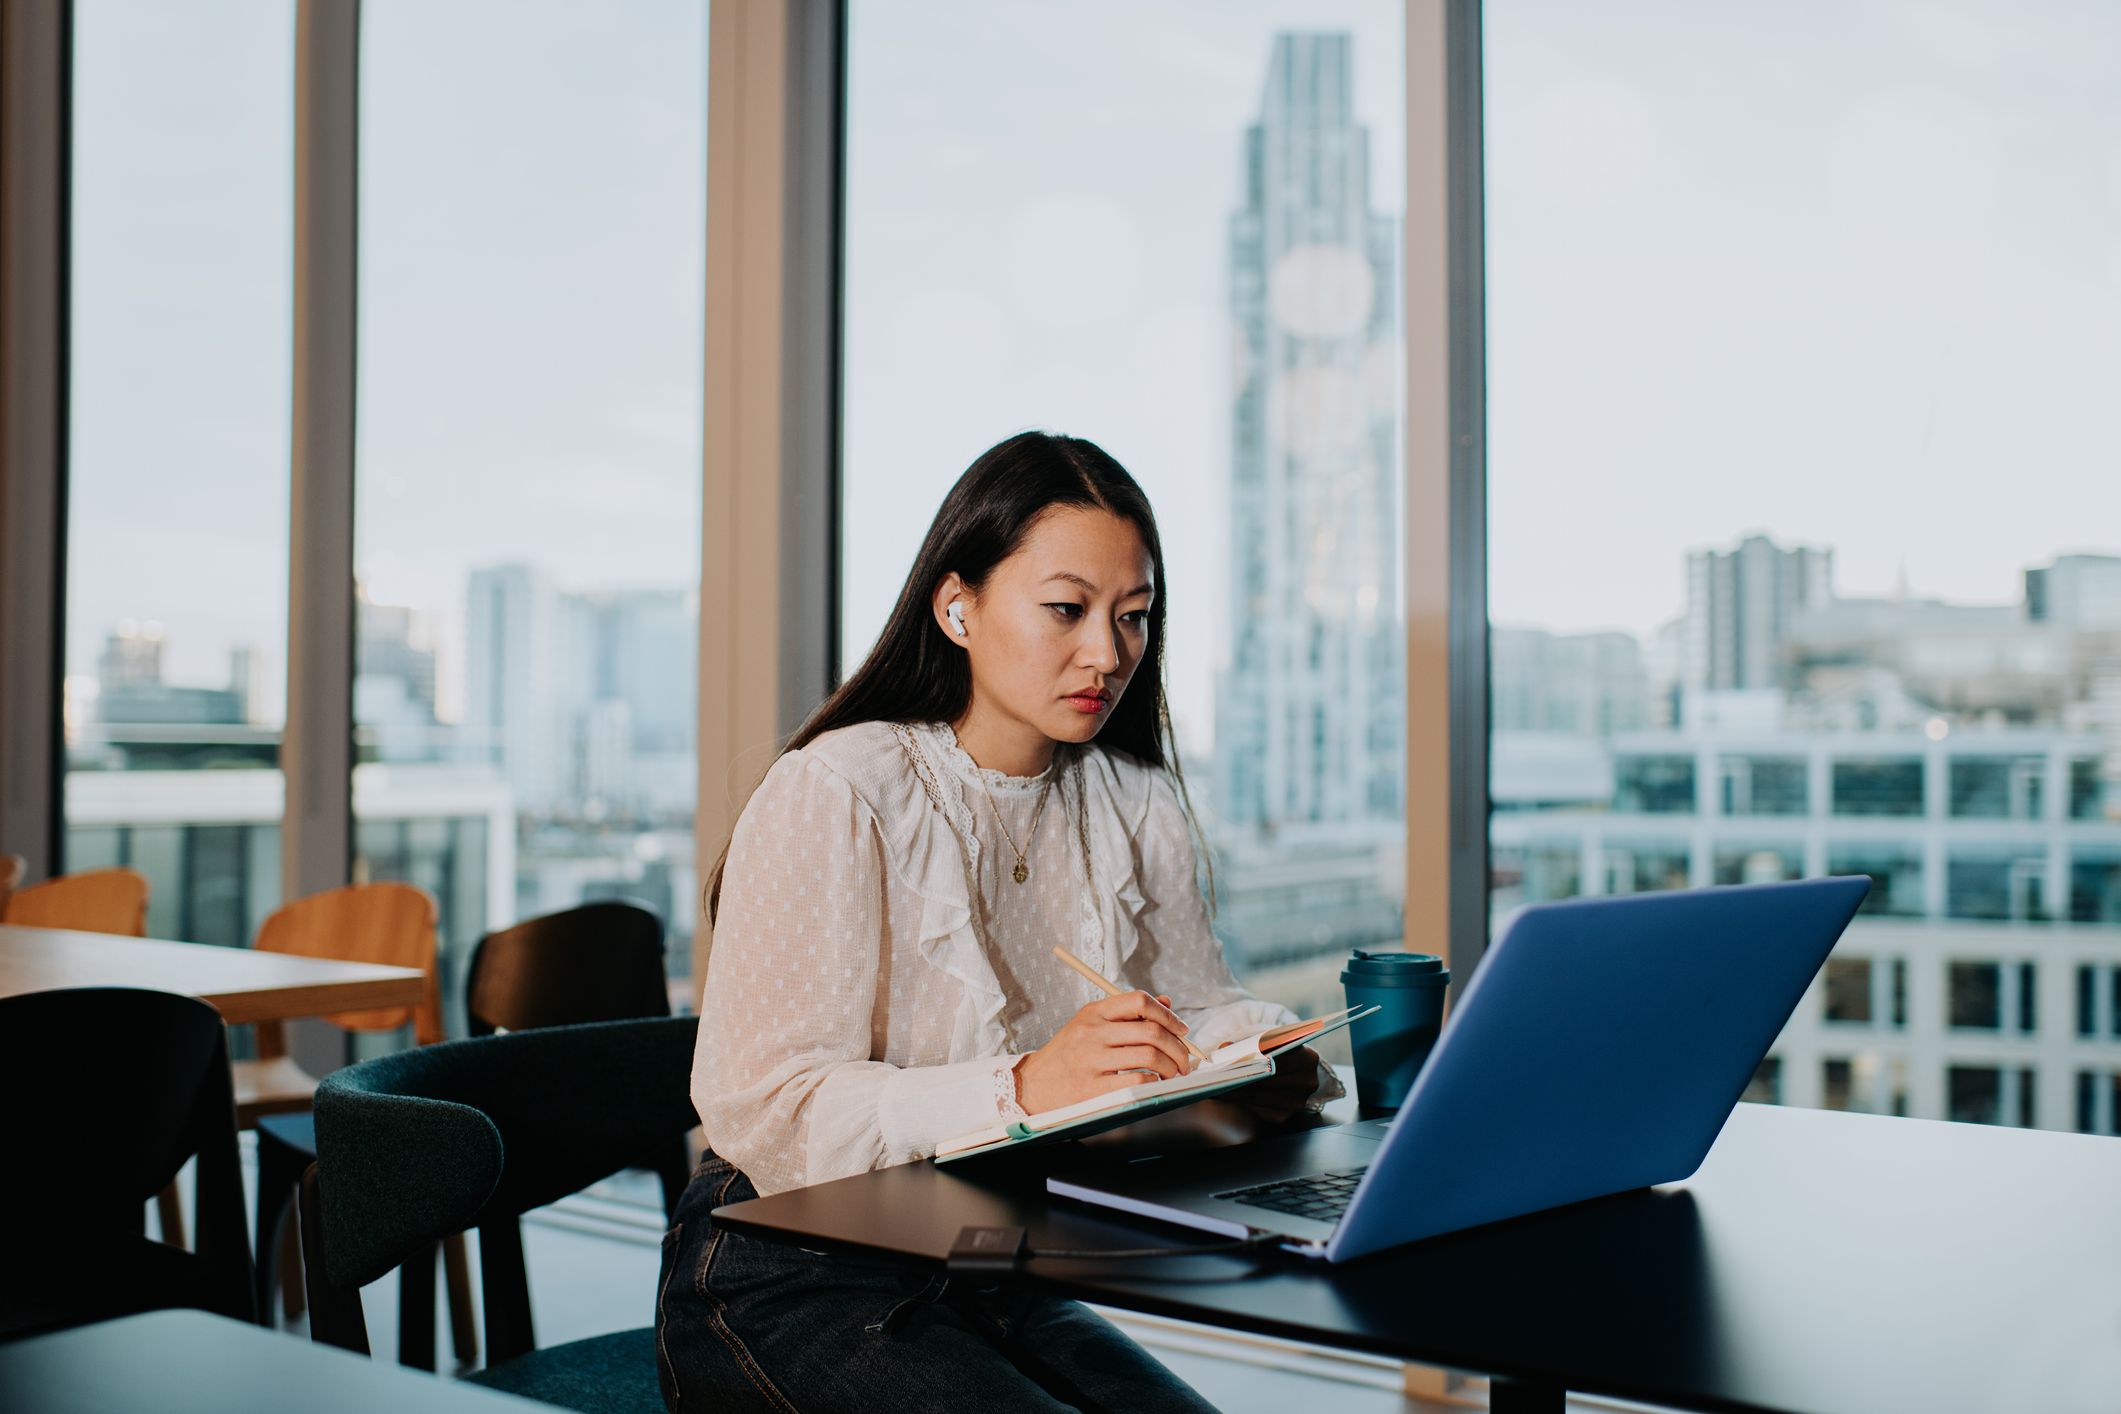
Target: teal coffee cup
{"x": 1391, "y": 1043}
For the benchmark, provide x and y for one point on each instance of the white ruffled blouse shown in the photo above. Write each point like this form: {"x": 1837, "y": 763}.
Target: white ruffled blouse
{"x": 877, "y": 972}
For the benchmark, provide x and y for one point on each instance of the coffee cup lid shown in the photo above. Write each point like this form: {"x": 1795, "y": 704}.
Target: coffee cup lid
{"x": 1395, "y": 969}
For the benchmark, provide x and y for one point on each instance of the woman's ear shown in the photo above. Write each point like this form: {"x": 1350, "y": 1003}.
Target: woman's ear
{"x": 951, "y": 602}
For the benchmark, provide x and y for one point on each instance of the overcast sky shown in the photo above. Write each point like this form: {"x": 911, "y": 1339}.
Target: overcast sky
{"x": 1847, "y": 273}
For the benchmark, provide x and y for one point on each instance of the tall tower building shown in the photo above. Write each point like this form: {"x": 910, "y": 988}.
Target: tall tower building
{"x": 513, "y": 661}
{"x": 1740, "y": 607}
{"x": 1310, "y": 710}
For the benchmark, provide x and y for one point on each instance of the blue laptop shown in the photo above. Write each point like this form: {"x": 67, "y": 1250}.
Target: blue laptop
{"x": 1600, "y": 1047}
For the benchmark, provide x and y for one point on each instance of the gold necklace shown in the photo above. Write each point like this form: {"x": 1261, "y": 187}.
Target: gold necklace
{"x": 1022, "y": 871}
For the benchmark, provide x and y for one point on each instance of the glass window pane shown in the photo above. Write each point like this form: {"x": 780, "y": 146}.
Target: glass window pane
{"x": 1765, "y": 785}
{"x": 1759, "y": 355}
{"x": 1976, "y": 998}
{"x": 2095, "y": 889}
{"x": 1654, "y": 785}
{"x": 528, "y": 485}
{"x": 1181, "y": 244}
{"x": 1848, "y": 988}
{"x": 177, "y": 515}
{"x": 1758, "y": 864}
{"x": 1877, "y": 787}
{"x": 1974, "y": 1094}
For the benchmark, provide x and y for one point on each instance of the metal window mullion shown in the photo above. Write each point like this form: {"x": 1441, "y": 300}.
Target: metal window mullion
{"x": 1445, "y": 458}
{"x": 36, "y": 129}
{"x": 317, "y": 752}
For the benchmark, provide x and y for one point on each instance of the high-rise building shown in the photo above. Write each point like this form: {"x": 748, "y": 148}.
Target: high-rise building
{"x": 132, "y": 657}
{"x": 1740, "y": 607}
{"x": 1309, "y": 729}
{"x": 1592, "y": 684}
{"x": 2083, "y": 591}
{"x": 512, "y": 660}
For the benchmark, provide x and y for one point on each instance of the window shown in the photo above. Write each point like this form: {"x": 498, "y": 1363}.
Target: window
{"x": 1997, "y": 886}
{"x": 1765, "y": 1088}
{"x": 2098, "y": 1102}
{"x": 1758, "y": 864}
{"x": 1848, "y": 988}
{"x": 1976, "y": 997}
{"x": 1654, "y": 785}
{"x": 1885, "y": 671}
{"x": 528, "y": 481}
{"x": 1997, "y": 787}
{"x": 1766, "y": 785}
{"x": 1640, "y": 868}
{"x": 1877, "y": 787}
{"x": 177, "y": 514}
{"x": 2095, "y": 890}
{"x": 2087, "y": 789}
{"x": 1974, "y": 1094}
{"x": 1183, "y": 247}
{"x": 1837, "y": 1082}
{"x": 1896, "y": 877}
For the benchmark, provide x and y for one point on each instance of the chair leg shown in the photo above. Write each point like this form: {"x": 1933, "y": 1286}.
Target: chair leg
{"x": 416, "y": 1311}
{"x": 291, "y": 1274}
{"x": 279, "y": 1172}
{"x": 507, "y": 1288}
{"x": 456, "y": 1273}
{"x": 170, "y": 1208}
{"x": 334, "y": 1312}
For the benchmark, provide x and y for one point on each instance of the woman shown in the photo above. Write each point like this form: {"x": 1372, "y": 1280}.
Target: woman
{"x": 882, "y": 976}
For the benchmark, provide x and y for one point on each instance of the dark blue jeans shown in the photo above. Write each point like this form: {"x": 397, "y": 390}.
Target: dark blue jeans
{"x": 743, "y": 1324}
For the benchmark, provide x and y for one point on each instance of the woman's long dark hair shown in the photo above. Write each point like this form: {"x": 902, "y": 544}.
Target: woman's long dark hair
{"x": 915, "y": 674}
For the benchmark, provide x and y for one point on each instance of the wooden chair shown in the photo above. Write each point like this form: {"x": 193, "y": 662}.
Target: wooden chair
{"x": 12, "y": 868}
{"x": 386, "y": 923}
{"x": 98, "y": 901}
{"x": 389, "y": 924}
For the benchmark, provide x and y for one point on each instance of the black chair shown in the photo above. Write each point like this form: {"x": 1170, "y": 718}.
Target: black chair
{"x": 76, "y": 1186}
{"x": 598, "y": 962}
{"x": 415, "y": 1146}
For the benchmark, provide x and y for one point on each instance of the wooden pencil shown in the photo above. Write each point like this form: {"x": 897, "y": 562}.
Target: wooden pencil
{"x": 1112, "y": 989}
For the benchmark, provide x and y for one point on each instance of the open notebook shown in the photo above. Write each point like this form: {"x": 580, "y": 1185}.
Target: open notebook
{"x": 1232, "y": 1064}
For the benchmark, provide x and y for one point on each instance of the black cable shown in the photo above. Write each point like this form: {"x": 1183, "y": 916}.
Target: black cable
{"x": 985, "y": 1252}
{"x": 1121, "y": 1254}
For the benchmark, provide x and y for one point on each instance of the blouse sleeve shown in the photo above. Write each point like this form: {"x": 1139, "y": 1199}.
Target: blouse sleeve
{"x": 1184, "y": 959}
{"x": 783, "y": 1076}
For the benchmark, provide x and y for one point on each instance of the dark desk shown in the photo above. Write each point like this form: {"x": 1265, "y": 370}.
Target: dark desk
{"x": 181, "y": 1361}
{"x": 1818, "y": 1263}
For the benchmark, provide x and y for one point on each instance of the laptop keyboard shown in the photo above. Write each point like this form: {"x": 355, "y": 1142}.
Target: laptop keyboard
{"x": 1322, "y": 1197}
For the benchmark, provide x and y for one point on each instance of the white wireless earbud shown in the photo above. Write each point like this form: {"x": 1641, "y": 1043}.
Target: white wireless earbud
{"x": 956, "y": 614}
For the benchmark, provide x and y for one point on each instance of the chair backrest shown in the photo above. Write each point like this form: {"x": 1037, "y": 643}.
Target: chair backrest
{"x": 415, "y": 1146}
{"x": 77, "y": 1170}
{"x": 598, "y": 962}
{"x": 96, "y": 901}
{"x": 388, "y": 923}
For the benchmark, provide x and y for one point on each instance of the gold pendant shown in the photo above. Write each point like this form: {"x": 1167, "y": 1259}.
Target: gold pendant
{"x": 1022, "y": 872}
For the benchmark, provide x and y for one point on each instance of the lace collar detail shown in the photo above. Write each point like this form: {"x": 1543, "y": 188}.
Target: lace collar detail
{"x": 943, "y": 748}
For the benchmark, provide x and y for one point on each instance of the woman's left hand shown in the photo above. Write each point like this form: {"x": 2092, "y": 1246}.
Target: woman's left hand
{"x": 1282, "y": 1094}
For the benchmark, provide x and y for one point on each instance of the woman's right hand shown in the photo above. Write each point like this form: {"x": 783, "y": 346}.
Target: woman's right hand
{"x": 1093, "y": 1053}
